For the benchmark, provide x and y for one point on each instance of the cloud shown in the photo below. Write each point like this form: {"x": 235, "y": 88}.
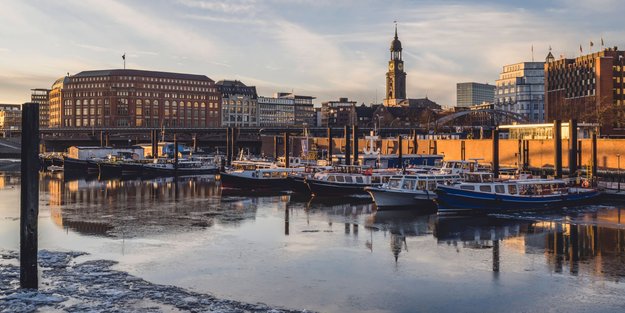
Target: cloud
{"x": 232, "y": 6}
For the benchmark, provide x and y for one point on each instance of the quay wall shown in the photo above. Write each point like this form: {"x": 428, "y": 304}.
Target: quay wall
{"x": 541, "y": 152}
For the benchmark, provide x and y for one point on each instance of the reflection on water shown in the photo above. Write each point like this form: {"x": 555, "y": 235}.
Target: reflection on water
{"x": 292, "y": 240}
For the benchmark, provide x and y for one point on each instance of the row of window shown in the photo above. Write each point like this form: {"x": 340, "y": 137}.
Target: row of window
{"x": 141, "y": 78}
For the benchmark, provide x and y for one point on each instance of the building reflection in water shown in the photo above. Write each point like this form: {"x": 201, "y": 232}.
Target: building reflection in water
{"x": 592, "y": 243}
{"x": 127, "y": 208}
{"x": 401, "y": 224}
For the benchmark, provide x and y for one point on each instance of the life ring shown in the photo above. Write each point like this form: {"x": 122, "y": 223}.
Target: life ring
{"x": 585, "y": 184}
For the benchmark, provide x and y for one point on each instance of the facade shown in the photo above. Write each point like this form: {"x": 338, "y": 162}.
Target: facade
{"x": 471, "y": 93}
{"x": 520, "y": 89}
{"x": 364, "y": 115}
{"x": 239, "y": 104}
{"x": 286, "y": 109}
{"x": 134, "y": 98}
{"x": 590, "y": 88}
{"x": 42, "y": 96}
{"x": 10, "y": 118}
{"x": 338, "y": 113}
{"x": 396, "y": 76}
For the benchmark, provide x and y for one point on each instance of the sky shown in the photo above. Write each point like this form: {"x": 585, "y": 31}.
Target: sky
{"x": 322, "y": 48}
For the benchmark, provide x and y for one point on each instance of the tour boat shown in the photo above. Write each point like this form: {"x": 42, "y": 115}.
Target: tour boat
{"x": 257, "y": 175}
{"x": 481, "y": 193}
{"x": 298, "y": 179}
{"x": 414, "y": 191}
{"x": 183, "y": 167}
{"x": 347, "y": 180}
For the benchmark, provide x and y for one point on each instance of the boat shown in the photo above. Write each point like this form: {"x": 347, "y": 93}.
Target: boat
{"x": 410, "y": 191}
{"x": 163, "y": 167}
{"x": 345, "y": 180}
{"x": 298, "y": 179}
{"x": 257, "y": 175}
{"x": 481, "y": 193}
{"x": 55, "y": 168}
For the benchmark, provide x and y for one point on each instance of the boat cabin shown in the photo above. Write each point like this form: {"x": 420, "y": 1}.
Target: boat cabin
{"x": 420, "y": 182}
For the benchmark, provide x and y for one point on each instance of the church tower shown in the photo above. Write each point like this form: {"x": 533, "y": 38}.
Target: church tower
{"x": 395, "y": 77}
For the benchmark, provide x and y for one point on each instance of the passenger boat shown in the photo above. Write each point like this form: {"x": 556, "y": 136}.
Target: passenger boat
{"x": 257, "y": 175}
{"x": 481, "y": 193}
{"x": 182, "y": 168}
{"x": 410, "y": 191}
{"x": 345, "y": 180}
{"x": 298, "y": 179}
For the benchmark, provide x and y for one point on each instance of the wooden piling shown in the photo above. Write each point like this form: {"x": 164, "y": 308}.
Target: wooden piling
{"x": 557, "y": 140}
{"x": 355, "y": 145}
{"x": 107, "y": 136}
{"x": 594, "y": 155}
{"x": 572, "y": 148}
{"x": 400, "y": 151}
{"x": 275, "y": 147}
{"x": 462, "y": 150}
{"x": 329, "y": 145}
{"x": 496, "y": 152}
{"x": 101, "y": 138}
{"x": 415, "y": 143}
{"x": 29, "y": 196}
{"x": 234, "y": 137}
{"x": 348, "y": 158}
{"x": 287, "y": 162}
{"x": 175, "y": 154}
{"x": 526, "y": 154}
{"x": 228, "y": 152}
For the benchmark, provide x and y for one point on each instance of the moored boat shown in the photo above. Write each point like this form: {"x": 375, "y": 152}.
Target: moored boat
{"x": 346, "y": 180}
{"x": 182, "y": 168}
{"x": 258, "y": 175}
{"x": 410, "y": 191}
{"x": 481, "y": 193}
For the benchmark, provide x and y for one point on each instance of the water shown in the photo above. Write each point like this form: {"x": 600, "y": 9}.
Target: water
{"x": 331, "y": 255}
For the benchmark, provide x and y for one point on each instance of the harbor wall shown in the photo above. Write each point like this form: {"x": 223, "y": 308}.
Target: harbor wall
{"x": 541, "y": 152}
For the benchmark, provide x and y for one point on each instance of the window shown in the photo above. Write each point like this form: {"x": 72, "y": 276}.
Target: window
{"x": 500, "y": 189}
{"x": 512, "y": 189}
{"x": 467, "y": 187}
{"x": 485, "y": 188}
{"x": 340, "y": 179}
{"x": 348, "y": 179}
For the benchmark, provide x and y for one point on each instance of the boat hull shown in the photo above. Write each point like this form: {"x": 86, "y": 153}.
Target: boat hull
{"x": 108, "y": 169}
{"x": 170, "y": 171}
{"x": 71, "y": 164}
{"x": 229, "y": 180}
{"x": 386, "y": 199}
{"x": 128, "y": 169}
{"x": 452, "y": 200}
{"x": 298, "y": 184}
{"x": 322, "y": 188}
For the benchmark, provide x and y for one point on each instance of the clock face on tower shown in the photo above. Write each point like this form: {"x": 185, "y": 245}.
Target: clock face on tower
{"x": 400, "y": 66}
{"x": 391, "y": 66}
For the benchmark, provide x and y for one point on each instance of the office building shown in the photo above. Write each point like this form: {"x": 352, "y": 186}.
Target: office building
{"x": 286, "y": 109}
{"x": 239, "y": 104}
{"x": 471, "y": 93}
{"x": 41, "y": 96}
{"x": 590, "y": 88}
{"x": 338, "y": 113}
{"x": 520, "y": 89}
{"x": 10, "y": 118}
{"x": 134, "y": 98}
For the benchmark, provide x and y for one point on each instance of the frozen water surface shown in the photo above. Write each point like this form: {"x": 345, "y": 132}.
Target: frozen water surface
{"x": 329, "y": 255}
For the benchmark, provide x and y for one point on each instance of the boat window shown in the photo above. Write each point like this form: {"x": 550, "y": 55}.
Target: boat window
{"x": 485, "y": 188}
{"x": 500, "y": 189}
{"x": 408, "y": 184}
{"x": 348, "y": 179}
{"x": 266, "y": 174}
{"x": 421, "y": 185}
{"x": 340, "y": 179}
{"x": 359, "y": 179}
{"x": 431, "y": 185}
{"x": 512, "y": 189}
{"x": 331, "y": 178}
{"x": 394, "y": 183}
{"x": 385, "y": 179}
{"x": 467, "y": 187}
{"x": 375, "y": 179}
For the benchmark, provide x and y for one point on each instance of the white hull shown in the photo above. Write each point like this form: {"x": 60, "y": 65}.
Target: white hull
{"x": 399, "y": 198}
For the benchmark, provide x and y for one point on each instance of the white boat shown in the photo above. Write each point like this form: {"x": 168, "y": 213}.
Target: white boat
{"x": 415, "y": 191}
{"x": 346, "y": 180}
{"x": 257, "y": 175}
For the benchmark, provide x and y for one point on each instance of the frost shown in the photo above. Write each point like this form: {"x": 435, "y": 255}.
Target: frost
{"x": 93, "y": 286}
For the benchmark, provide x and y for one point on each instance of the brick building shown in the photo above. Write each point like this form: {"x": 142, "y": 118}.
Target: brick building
{"x": 590, "y": 88}
{"x": 134, "y": 98}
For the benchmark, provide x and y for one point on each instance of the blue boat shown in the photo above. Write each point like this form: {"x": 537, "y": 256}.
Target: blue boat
{"x": 481, "y": 193}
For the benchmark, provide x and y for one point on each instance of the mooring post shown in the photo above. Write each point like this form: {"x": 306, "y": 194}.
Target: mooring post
{"x": 275, "y": 147}
{"x": 329, "y": 145}
{"x": 286, "y": 221}
{"x": 462, "y": 150}
{"x": 496, "y": 260}
{"x": 29, "y": 196}
{"x": 355, "y": 145}
{"x": 526, "y": 155}
{"x": 415, "y": 143}
{"x": 348, "y": 158}
{"x": 400, "y": 151}
{"x": 194, "y": 143}
{"x": 287, "y": 162}
{"x": 107, "y": 138}
{"x": 572, "y": 147}
{"x": 234, "y": 132}
{"x": 594, "y": 156}
{"x": 496, "y": 152}
{"x": 579, "y": 153}
{"x": 175, "y": 154}
{"x": 557, "y": 140}
{"x": 101, "y": 138}
{"x": 228, "y": 152}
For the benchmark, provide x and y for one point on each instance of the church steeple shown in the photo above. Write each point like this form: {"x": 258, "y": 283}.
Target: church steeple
{"x": 395, "y": 77}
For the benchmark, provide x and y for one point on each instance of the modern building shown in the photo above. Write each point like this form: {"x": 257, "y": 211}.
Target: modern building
{"x": 134, "y": 98}
{"x": 471, "y": 93}
{"x": 396, "y": 76}
{"x": 364, "y": 115}
{"x": 338, "y": 113}
{"x": 286, "y": 109}
{"x": 10, "y": 118}
{"x": 239, "y": 104}
{"x": 42, "y": 96}
{"x": 590, "y": 88}
{"x": 520, "y": 89}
